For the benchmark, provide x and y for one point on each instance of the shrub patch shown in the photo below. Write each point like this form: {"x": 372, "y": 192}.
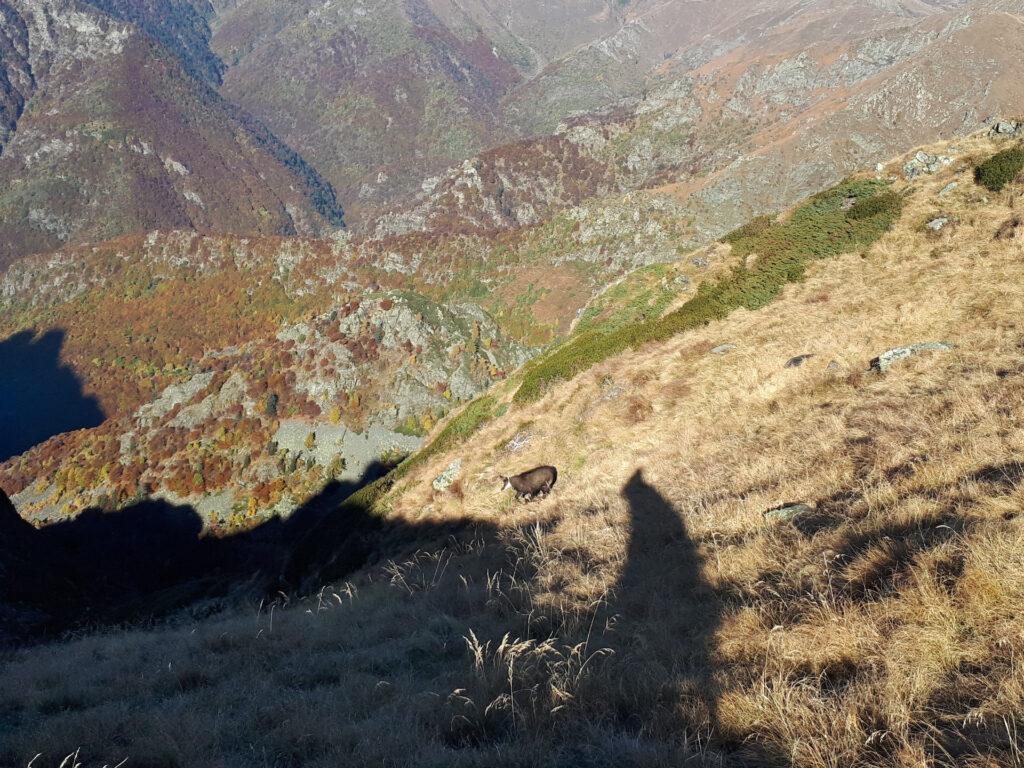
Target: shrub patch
{"x": 818, "y": 229}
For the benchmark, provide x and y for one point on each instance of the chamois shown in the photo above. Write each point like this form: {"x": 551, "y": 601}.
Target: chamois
{"x": 529, "y": 485}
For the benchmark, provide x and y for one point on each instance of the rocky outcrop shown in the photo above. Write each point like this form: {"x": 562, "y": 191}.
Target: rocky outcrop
{"x": 925, "y": 163}
{"x": 1007, "y": 128}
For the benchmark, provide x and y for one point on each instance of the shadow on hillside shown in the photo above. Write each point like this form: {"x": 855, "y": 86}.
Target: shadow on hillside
{"x": 668, "y": 616}
{"x": 142, "y": 562}
{"x": 40, "y": 396}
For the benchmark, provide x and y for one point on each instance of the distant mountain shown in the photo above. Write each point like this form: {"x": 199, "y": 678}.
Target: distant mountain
{"x": 379, "y": 96}
{"x": 179, "y": 25}
{"x": 105, "y": 131}
{"x": 739, "y": 129}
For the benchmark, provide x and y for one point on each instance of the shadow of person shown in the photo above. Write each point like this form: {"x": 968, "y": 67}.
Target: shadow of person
{"x": 667, "y": 616}
{"x": 40, "y": 396}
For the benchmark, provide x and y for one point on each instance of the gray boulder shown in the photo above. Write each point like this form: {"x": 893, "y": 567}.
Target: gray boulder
{"x": 1007, "y": 128}
{"x": 788, "y": 512}
{"x": 444, "y": 481}
{"x": 883, "y": 362}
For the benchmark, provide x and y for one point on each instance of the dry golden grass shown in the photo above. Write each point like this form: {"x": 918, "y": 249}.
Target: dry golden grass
{"x": 649, "y": 613}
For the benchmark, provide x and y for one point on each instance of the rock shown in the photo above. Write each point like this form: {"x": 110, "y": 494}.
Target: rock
{"x": 832, "y": 366}
{"x": 796, "y": 362}
{"x": 610, "y": 390}
{"x": 938, "y": 224}
{"x": 723, "y": 349}
{"x": 925, "y": 163}
{"x": 948, "y": 188}
{"x": 444, "y": 481}
{"x": 883, "y": 362}
{"x": 788, "y": 512}
{"x": 1006, "y": 128}
{"x": 518, "y": 441}
{"x": 699, "y": 261}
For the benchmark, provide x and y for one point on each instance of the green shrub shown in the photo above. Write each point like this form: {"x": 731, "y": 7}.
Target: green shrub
{"x": 752, "y": 228}
{"x": 817, "y": 229}
{"x": 885, "y": 203}
{"x": 1000, "y": 169}
{"x": 461, "y": 426}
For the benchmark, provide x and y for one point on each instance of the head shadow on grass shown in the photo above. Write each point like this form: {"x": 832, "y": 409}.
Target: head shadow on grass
{"x": 666, "y": 618}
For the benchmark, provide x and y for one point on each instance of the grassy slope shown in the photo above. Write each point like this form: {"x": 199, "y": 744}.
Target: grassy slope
{"x": 648, "y": 612}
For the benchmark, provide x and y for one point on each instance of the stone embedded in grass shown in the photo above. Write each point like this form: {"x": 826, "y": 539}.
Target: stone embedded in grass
{"x": 796, "y": 362}
{"x": 925, "y": 163}
{"x": 723, "y": 349}
{"x": 519, "y": 441}
{"x": 444, "y": 481}
{"x": 948, "y": 189}
{"x": 938, "y": 224}
{"x": 883, "y": 362}
{"x": 788, "y": 512}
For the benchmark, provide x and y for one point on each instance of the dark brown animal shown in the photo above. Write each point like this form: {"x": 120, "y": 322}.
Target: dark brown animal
{"x": 529, "y": 485}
